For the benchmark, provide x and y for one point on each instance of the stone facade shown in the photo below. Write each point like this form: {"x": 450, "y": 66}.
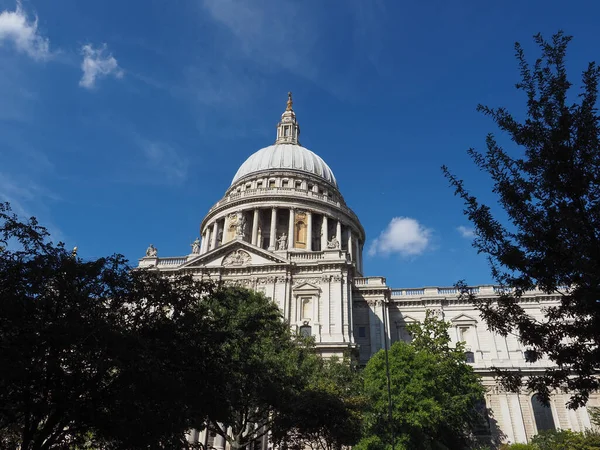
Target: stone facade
{"x": 284, "y": 229}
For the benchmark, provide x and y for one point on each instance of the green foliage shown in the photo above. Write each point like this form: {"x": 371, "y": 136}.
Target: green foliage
{"x": 559, "y": 440}
{"x": 565, "y": 440}
{"x": 328, "y": 413}
{"x": 549, "y": 189}
{"x": 518, "y": 447}
{"x": 434, "y": 392}
{"x": 95, "y": 349}
{"x": 265, "y": 365}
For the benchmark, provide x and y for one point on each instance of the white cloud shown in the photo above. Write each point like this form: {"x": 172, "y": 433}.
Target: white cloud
{"x": 97, "y": 63}
{"x": 15, "y": 27}
{"x": 466, "y": 232}
{"x": 404, "y": 236}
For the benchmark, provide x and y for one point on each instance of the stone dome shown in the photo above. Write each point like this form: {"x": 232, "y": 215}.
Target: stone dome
{"x": 282, "y": 156}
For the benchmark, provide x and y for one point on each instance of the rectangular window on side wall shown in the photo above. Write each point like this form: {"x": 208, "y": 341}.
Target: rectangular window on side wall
{"x": 362, "y": 332}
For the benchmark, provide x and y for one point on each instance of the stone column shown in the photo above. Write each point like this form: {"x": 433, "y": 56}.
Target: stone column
{"x": 255, "y": 227}
{"x": 272, "y": 236}
{"x": 350, "y": 243}
{"x": 213, "y": 238}
{"x": 338, "y": 233}
{"x": 291, "y": 229}
{"x": 324, "y": 237}
{"x": 219, "y": 443}
{"x": 359, "y": 255}
{"x": 204, "y": 243}
{"x": 309, "y": 231}
{"x": 225, "y": 228}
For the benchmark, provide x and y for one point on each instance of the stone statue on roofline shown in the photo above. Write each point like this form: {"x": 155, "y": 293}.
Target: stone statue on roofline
{"x": 196, "y": 247}
{"x": 151, "y": 252}
{"x": 333, "y": 243}
{"x": 282, "y": 242}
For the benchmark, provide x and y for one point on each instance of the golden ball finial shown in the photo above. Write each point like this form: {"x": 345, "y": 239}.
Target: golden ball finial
{"x": 289, "y": 102}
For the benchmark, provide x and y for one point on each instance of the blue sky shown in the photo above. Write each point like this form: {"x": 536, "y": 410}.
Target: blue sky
{"x": 122, "y": 122}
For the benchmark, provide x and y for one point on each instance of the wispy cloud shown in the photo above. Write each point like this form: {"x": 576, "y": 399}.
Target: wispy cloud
{"x": 97, "y": 63}
{"x": 271, "y": 33}
{"x": 466, "y": 232}
{"x": 404, "y": 236}
{"x": 16, "y": 28}
{"x": 163, "y": 161}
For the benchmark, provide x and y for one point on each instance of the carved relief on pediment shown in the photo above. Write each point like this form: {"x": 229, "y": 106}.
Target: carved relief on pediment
{"x": 237, "y": 258}
{"x": 306, "y": 280}
{"x": 266, "y": 280}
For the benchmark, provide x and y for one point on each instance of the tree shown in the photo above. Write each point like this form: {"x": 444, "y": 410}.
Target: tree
{"x": 93, "y": 352}
{"x": 328, "y": 413}
{"x": 263, "y": 370}
{"x": 434, "y": 392}
{"x": 549, "y": 189}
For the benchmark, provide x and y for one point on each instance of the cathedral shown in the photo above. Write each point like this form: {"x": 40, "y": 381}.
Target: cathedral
{"x": 284, "y": 229}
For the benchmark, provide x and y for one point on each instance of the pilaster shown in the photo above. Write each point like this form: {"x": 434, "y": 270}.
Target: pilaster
{"x": 255, "y": 227}
{"x": 272, "y": 236}
{"x": 290, "y": 242}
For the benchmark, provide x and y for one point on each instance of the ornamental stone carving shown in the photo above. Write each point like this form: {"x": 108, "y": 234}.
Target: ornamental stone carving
{"x": 196, "y": 247}
{"x": 266, "y": 280}
{"x": 333, "y": 243}
{"x": 306, "y": 280}
{"x": 240, "y": 224}
{"x": 282, "y": 242}
{"x": 151, "y": 252}
{"x": 237, "y": 258}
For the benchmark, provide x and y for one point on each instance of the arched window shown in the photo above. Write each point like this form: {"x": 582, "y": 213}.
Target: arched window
{"x": 300, "y": 235}
{"x": 542, "y": 415}
{"x": 470, "y": 357}
{"x": 306, "y": 330}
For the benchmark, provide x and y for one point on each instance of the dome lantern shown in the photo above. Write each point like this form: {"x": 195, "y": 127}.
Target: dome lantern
{"x": 288, "y": 130}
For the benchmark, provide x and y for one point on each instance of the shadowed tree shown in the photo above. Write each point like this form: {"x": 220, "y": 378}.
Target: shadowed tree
{"x": 328, "y": 413}
{"x": 265, "y": 369}
{"x": 548, "y": 184}
{"x": 93, "y": 352}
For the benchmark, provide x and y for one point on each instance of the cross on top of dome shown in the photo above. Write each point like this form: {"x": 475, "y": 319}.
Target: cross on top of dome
{"x": 288, "y": 129}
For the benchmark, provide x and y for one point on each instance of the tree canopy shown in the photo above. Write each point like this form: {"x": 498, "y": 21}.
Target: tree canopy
{"x": 94, "y": 351}
{"x": 434, "y": 392}
{"x": 548, "y": 185}
{"x": 328, "y": 413}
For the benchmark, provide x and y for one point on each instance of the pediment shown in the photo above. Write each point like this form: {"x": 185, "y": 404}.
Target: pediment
{"x": 463, "y": 318}
{"x": 235, "y": 253}
{"x": 306, "y": 287}
{"x": 405, "y": 319}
